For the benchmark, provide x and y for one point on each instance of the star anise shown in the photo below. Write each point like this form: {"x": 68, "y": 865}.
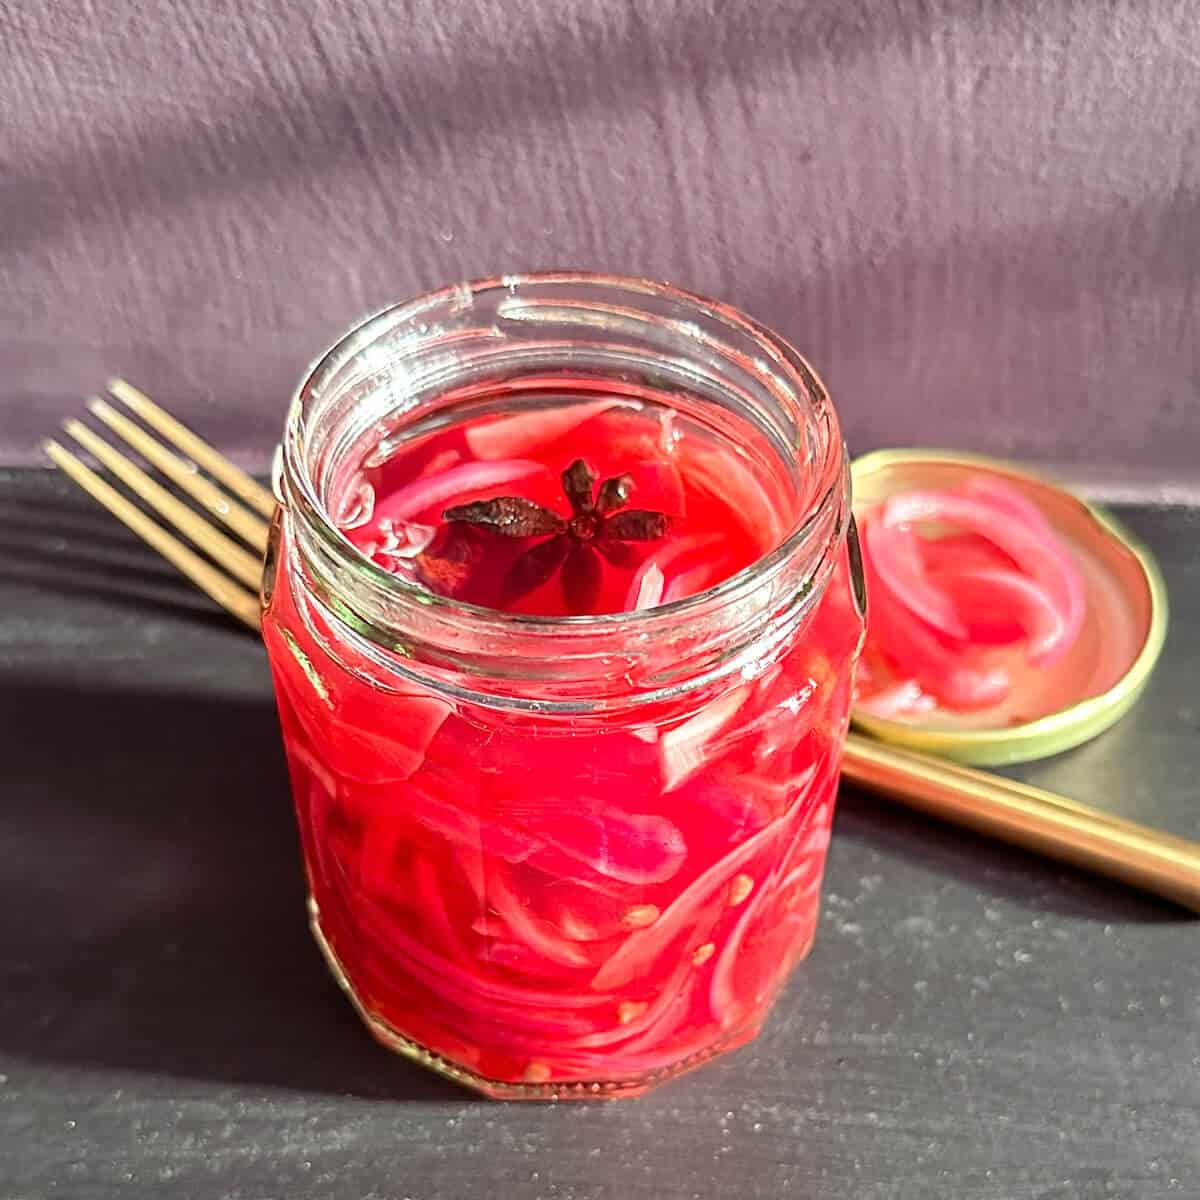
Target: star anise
{"x": 599, "y": 524}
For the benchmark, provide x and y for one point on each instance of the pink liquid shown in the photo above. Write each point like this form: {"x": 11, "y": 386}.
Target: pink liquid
{"x": 557, "y": 905}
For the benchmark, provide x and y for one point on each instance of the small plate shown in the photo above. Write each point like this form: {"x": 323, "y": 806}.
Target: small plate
{"x": 1054, "y": 708}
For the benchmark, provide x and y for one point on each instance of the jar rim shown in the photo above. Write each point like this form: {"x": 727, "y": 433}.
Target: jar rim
{"x": 298, "y": 489}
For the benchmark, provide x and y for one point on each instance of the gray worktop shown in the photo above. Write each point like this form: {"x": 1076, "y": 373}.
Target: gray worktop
{"x": 972, "y": 1023}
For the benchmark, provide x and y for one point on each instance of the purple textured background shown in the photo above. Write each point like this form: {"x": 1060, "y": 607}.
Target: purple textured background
{"x": 981, "y": 220}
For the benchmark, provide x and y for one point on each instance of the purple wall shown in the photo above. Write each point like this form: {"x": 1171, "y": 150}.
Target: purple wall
{"x": 980, "y": 220}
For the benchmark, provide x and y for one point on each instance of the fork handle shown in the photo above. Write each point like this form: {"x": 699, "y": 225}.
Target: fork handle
{"x": 1031, "y": 817}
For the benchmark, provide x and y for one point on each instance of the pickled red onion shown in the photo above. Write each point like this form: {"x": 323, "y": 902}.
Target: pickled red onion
{"x": 528, "y": 929}
{"x": 697, "y": 579}
{"x": 685, "y": 749}
{"x": 1000, "y": 606}
{"x": 918, "y": 654}
{"x": 670, "y": 562}
{"x": 903, "y": 697}
{"x": 999, "y": 576}
{"x": 365, "y": 755}
{"x": 465, "y": 987}
{"x": 635, "y": 848}
{"x": 643, "y": 946}
{"x": 1034, "y": 549}
{"x": 650, "y": 590}
{"x": 956, "y": 550}
{"x": 659, "y": 485}
{"x": 1004, "y": 496}
{"x": 896, "y": 552}
{"x": 454, "y": 486}
{"x": 520, "y": 433}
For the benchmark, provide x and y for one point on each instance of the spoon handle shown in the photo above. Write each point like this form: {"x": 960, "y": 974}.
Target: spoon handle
{"x": 1027, "y": 816}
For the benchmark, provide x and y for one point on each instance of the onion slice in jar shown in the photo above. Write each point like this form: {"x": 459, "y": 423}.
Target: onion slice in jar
{"x": 528, "y": 929}
{"x": 363, "y": 755}
{"x": 686, "y": 748}
{"x": 723, "y": 999}
{"x": 356, "y": 508}
{"x": 697, "y": 579}
{"x": 454, "y": 486}
{"x": 467, "y": 830}
{"x": 427, "y": 885}
{"x": 650, "y": 589}
{"x": 633, "y": 848}
{"x": 731, "y": 479}
{"x": 641, "y": 948}
{"x": 659, "y": 485}
{"x": 522, "y": 433}
{"x": 675, "y": 557}
{"x": 513, "y": 1006}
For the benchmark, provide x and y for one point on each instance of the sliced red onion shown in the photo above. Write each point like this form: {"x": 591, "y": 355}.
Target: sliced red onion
{"x": 644, "y": 1016}
{"x": 731, "y": 480}
{"x": 677, "y": 555}
{"x": 512, "y": 436}
{"x": 633, "y": 848}
{"x": 915, "y": 651}
{"x": 659, "y": 485}
{"x": 437, "y": 923}
{"x": 958, "y": 550}
{"x": 994, "y": 603}
{"x": 454, "y": 486}
{"x": 896, "y": 552}
{"x": 641, "y": 948}
{"x": 357, "y": 507}
{"x": 311, "y": 763}
{"x": 467, "y": 830}
{"x": 1006, "y": 497}
{"x": 365, "y": 755}
{"x": 1035, "y": 550}
{"x": 723, "y": 1000}
{"x": 440, "y": 462}
{"x": 467, "y": 988}
{"x": 528, "y": 929}
{"x": 650, "y": 588}
{"x": 901, "y": 699}
{"x": 686, "y": 748}
{"x": 402, "y": 541}
{"x": 696, "y": 579}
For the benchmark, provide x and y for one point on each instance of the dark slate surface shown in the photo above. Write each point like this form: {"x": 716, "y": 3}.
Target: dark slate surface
{"x": 972, "y": 1023}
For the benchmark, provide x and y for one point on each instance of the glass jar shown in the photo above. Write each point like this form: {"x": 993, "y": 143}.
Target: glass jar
{"x": 563, "y": 856}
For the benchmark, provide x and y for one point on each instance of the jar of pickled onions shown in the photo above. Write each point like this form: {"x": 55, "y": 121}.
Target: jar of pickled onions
{"x": 562, "y": 609}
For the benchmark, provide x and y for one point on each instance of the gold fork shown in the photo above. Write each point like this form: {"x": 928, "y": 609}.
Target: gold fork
{"x": 1013, "y": 812}
{"x": 245, "y": 513}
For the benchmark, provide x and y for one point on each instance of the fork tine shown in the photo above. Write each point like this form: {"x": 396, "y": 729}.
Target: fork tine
{"x": 196, "y": 448}
{"x": 223, "y": 550}
{"x": 229, "y": 595}
{"x": 244, "y": 523}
